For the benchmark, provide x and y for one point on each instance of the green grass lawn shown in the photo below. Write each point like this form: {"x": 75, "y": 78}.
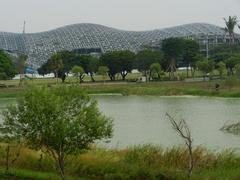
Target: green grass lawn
{"x": 161, "y": 88}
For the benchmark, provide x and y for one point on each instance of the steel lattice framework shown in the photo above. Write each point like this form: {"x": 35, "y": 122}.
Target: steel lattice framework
{"x": 40, "y": 46}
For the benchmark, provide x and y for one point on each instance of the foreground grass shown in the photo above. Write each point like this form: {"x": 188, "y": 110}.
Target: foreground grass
{"x": 141, "y": 162}
{"x": 15, "y": 174}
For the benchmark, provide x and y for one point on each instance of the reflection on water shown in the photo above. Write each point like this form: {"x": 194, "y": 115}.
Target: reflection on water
{"x": 141, "y": 119}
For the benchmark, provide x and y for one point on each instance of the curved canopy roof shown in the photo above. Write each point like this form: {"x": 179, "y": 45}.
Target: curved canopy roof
{"x": 40, "y": 46}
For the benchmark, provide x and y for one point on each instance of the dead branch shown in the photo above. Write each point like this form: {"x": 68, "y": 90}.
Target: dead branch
{"x": 184, "y": 132}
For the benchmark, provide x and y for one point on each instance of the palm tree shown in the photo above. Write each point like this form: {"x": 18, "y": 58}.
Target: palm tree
{"x": 231, "y": 22}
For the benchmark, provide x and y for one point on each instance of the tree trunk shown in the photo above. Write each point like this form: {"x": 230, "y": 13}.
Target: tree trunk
{"x": 193, "y": 72}
{"x": 7, "y": 158}
{"x": 93, "y": 80}
{"x": 61, "y": 167}
{"x": 56, "y": 75}
{"x": 191, "y": 163}
{"x": 63, "y": 77}
{"x": 112, "y": 77}
{"x": 123, "y": 74}
{"x": 172, "y": 69}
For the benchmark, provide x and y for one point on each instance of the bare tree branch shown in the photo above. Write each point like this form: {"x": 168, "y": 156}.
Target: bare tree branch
{"x": 184, "y": 132}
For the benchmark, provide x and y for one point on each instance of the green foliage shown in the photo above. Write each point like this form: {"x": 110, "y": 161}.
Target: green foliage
{"x": 225, "y": 48}
{"x": 146, "y": 58}
{"x": 190, "y": 53}
{"x": 103, "y": 70}
{"x": 231, "y": 81}
{"x": 155, "y": 70}
{"x": 221, "y": 68}
{"x": 140, "y": 162}
{"x": 232, "y": 61}
{"x": 69, "y": 59}
{"x": 55, "y": 63}
{"x": 78, "y": 71}
{"x": 118, "y": 62}
{"x": 237, "y": 70}
{"x": 229, "y": 54}
{"x": 63, "y": 120}
{"x": 173, "y": 48}
{"x": 191, "y": 49}
{"x": 60, "y": 115}
{"x": 7, "y": 70}
{"x": 231, "y": 23}
{"x": 206, "y": 66}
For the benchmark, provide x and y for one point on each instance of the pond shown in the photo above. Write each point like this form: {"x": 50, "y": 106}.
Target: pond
{"x": 142, "y": 120}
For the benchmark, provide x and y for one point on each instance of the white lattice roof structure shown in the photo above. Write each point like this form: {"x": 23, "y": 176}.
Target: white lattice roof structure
{"x": 40, "y": 46}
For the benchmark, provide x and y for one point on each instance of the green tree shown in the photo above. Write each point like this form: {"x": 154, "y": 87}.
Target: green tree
{"x": 60, "y": 120}
{"x": 88, "y": 63}
{"x": 173, "y": 49}
{"x": 191, "y": 50}
{"x": 20, "y": 65}
{"x": 78, "y": 72}
{"x": 126, "y": 62}
{"x": 68, "y": 61}
{"x": 146, "y": 58}
{"x": 109, "y": 59}
{"x": 92, "y": 67}
{"x": 55, "y": 64}
{"x": 231, "y": 62}
{"x": 231, "y": 23}
{"x": 155, "y": 70}
{"x": 7, "y": 70}
{"x": 103, "y": 70}
{"x": 44, "y": 69}
{"x": 237, "y": 70}
{"x": 118, "y": 62}
{"x": 221, "y": 67}
{"x": 206, "y": 66}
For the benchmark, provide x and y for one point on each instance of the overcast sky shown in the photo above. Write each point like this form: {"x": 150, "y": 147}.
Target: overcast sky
{"x": 42, "y": 15}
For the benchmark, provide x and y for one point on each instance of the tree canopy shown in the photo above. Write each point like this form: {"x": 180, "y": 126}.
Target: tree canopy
{"x": 173, "y": 49}
{"x": 79, "y": 72}
{"x": 118, "y": 62}
{"x": 62, "y": 120}
{"x": 7, "y": 69}
{"x": 146, "y": 58}
{"x": 206, "y": 66}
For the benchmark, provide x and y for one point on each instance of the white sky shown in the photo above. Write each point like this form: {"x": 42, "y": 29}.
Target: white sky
{"x": 44, "y": 15}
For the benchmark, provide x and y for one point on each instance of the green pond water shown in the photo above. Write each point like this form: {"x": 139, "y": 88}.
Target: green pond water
{"x": 142, "y": 120}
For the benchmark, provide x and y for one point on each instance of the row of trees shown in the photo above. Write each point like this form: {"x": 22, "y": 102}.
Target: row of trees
{"x": 149, "y": 62}
{"x": 173, "y": 52}
{"x": 64, "y": 62}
